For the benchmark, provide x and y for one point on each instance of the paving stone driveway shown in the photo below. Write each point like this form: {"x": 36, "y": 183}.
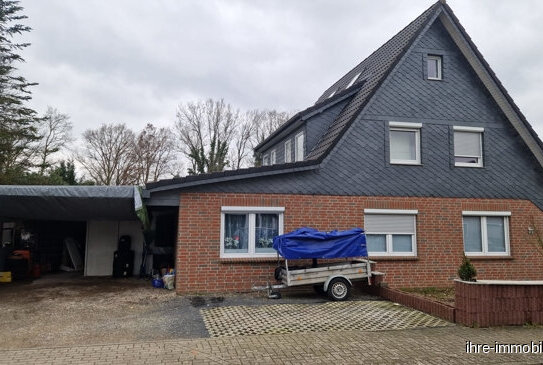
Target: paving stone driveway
{"x": 444, "y": 345}
{"x": 331, "y": 316}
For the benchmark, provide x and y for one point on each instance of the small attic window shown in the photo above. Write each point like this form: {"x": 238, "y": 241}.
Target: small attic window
{"x": 434, "y": 64}
{"x": 353, "y": 80}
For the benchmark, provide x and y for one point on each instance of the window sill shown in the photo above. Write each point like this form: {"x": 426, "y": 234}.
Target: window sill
{"x": 469, "y": 166}
{"x": 235, "y": 260}
{"x": 489, "y": 257}
{"x": 406, "y": 163}
{"x": 393, "y": 258}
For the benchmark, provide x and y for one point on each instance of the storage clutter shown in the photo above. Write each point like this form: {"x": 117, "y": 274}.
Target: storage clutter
{"x": 123, "y": 258}
{"x": 167, "y": 280}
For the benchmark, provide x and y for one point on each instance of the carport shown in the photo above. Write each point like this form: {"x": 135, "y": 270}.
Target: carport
{"x": 41, "y": 219}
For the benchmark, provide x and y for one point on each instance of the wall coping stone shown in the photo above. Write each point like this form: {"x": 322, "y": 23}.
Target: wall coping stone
{"x": 502, "y": 282}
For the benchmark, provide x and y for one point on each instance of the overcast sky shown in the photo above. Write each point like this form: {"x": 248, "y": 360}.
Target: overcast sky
{"x": 135, "y": 61}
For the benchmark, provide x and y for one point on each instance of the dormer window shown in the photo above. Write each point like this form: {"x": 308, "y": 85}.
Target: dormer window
{"x": 299, "y": 147}
{"x": 272, "y": 157}
{"x": 288, "y": 151}
{"x": 265, "y": 160}
{"x": 434, "y": 67}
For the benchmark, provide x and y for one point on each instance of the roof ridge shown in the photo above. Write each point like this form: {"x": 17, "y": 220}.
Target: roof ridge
{"x": 494, "y": 77}
{"x": 322, "y": 104}
{"x": 381, "y": 64}
{"x": 355, "y": 68}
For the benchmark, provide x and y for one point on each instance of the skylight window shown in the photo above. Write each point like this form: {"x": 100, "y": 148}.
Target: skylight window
{"x": 333, "y": 93}
{"x": 353, "y": 80}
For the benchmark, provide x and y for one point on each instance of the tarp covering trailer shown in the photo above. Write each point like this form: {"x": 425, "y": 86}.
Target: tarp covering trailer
{"x": 335, "y": 278}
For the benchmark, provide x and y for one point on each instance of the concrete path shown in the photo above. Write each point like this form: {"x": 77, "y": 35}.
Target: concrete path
{"x": 445, "y": 345}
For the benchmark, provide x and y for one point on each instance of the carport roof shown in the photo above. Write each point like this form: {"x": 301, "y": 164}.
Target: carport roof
{"x": 70, "y": 203}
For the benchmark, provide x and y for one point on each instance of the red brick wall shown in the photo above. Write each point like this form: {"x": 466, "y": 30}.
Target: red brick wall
{"x": 439, "y": 238}
{"x": 487, "y": 305}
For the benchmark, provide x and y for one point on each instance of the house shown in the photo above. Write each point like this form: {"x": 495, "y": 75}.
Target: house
{"x": 419, "y": 144}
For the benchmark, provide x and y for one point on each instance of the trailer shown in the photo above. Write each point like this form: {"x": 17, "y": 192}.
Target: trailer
{"x": 333, "y": 278}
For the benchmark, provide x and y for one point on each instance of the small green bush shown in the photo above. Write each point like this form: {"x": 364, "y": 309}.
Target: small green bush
{"x": 467, "y": 271}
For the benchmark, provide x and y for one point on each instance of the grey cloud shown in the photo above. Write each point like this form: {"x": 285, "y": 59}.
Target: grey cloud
{"x": 133, "y": 61}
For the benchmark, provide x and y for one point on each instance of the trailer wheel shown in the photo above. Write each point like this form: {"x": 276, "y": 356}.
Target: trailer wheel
{"x": 339, "y": 289}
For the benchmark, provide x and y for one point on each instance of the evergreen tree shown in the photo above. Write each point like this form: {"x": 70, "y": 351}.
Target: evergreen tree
{"x": 17, "y": 121}
{"x": 66, "y": 171}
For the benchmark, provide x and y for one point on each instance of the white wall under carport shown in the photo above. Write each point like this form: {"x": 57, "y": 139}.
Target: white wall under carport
{"x": 102, "y": 240}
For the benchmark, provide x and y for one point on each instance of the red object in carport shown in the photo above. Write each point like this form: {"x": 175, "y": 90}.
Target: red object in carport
{"x": 36, "y": 271}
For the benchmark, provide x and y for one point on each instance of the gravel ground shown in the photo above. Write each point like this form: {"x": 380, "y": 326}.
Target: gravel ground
{"x": 67, "y": 309}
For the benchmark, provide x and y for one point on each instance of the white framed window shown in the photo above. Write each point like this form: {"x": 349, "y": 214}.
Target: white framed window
{"x": 434, "y": 67}
{"x": 272, "y": 157}
{"x": 265, "y": 160}
{"x": 351, "y": 83}
{"x": 404, "y": 143}
{"x": 468, "y": 146}
{"x": 299, "y": 147}
{"x": 486, "y": 233}
{"x": 249, "y": 231}
{"x": 288, "y": 151}
{"x": 391, "y": 232}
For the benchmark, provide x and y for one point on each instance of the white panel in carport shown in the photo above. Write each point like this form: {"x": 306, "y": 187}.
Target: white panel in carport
{"x": 102, "y": 240}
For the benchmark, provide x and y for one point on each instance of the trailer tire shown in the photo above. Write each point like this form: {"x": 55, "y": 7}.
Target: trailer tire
{"x": 277, "y": 273}
{"x": 339, "y": 289}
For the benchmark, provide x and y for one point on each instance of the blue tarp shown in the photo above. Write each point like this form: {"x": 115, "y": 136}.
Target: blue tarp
{"x": 308, "y": 243}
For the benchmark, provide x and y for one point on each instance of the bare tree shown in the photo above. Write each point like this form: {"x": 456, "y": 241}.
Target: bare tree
{"x": 265, "y": 123}
{"x": 108, "y": 155}
{"x": 205, "y": 130}
{"x": 154, "y": 153}
{"x": 240, "y": 151}
{"x": 55, "y": 133}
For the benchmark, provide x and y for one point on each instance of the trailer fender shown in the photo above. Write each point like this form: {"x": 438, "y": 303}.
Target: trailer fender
{"x": 333, "y": 277}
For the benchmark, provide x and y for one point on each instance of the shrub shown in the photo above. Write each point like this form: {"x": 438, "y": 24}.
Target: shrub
{"x": 467, "y": 271}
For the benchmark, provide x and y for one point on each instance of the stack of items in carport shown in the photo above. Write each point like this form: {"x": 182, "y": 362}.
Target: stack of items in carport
{"x": 123, "y": 258}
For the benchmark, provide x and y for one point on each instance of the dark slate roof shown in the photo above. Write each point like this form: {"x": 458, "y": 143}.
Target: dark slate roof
{"x": 374, "y": 70}
{"x": 320, "y": 105}
{"x": 370, "y": 74}
{"x": 232, "y": 174}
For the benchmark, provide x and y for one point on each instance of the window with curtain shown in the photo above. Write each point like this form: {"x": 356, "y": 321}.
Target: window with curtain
{"x": 485, "y": 234}
{"x": 468, "y": 147}
{"x": 390, "y": 234}
{"x": 266, "y": 228}
{"x": 249, "y": 231}
{"x": 236, "y": 238}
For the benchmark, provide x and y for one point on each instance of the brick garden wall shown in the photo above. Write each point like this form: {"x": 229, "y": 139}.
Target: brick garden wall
{"x": 485, "y": 305}
{"x": 439, "y": 238}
